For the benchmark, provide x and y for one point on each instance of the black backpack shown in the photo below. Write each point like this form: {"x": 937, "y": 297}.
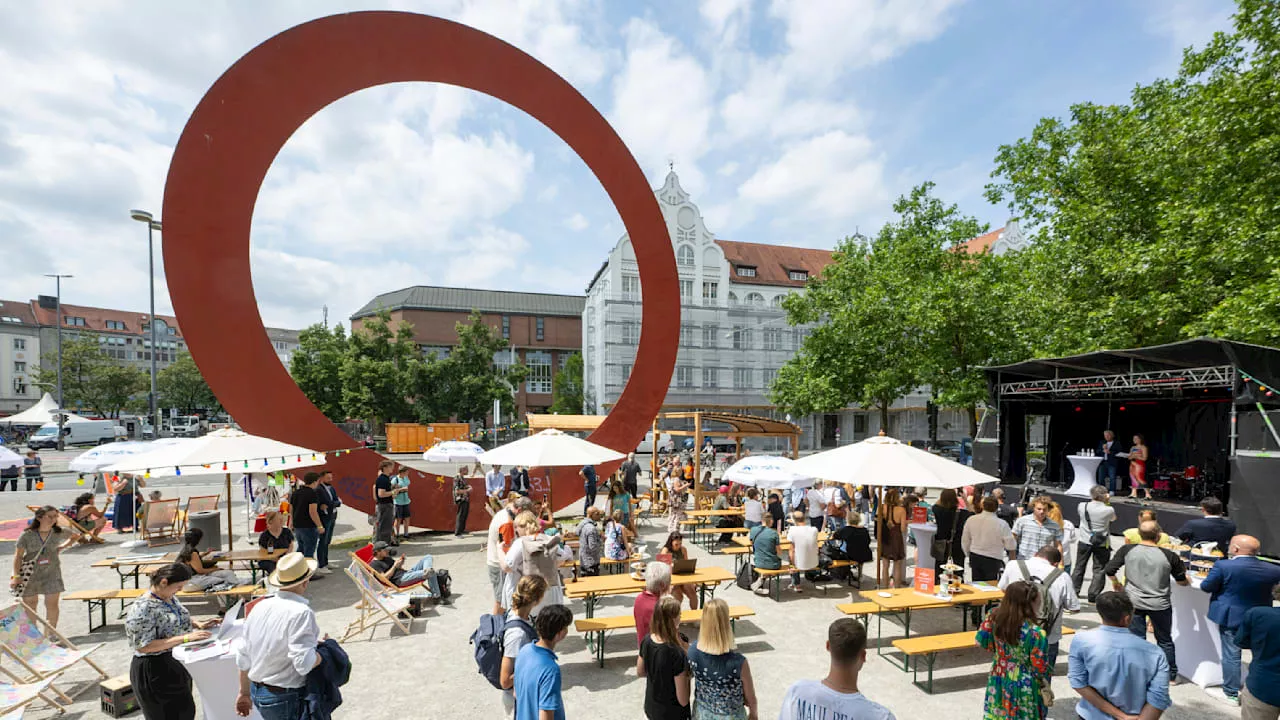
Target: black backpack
{"x": 445, "y": 582}
{"x": 487, "y": 640}
{"x": 1047, "y": 613}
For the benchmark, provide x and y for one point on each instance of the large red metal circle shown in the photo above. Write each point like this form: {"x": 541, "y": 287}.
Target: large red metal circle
{"x": 241, "y": 124}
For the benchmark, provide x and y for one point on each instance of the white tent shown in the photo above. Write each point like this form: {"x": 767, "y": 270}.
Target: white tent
{"x": 550, "y": 448}
{"x": 884, "y": 461}
{"x": 767, "y": 472}
{"x": 38, "y": 414}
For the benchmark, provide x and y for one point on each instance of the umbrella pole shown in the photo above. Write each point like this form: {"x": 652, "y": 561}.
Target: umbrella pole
{"x": 879, "y": 540}
{"x": 231, "y": 545}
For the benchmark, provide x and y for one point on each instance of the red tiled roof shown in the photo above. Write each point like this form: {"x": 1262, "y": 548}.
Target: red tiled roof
{"x": 20, "y": 310}
{"x": 773, "y": 263}
{"x": 96, "y": 318}
{"x": 982, "y": 243}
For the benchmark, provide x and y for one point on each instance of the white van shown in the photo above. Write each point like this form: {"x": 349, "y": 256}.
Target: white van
{"x": 665, "y": 443}
{"x": 186, "y": 426}
{"x": 77, "y": 432}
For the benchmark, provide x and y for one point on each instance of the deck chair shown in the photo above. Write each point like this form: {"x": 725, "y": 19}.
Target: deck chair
{"x": 198, "y": 503}
{"x": 364, "y": 556}
{"x": 39, "y": 649}
{"x": 15, "y": 698}
{"x": 377, "y": 604}
{"x": 160, "y": 522}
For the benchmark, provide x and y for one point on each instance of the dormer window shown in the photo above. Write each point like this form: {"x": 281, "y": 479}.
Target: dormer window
{"x": 746, "y": 271}
{"x": 798, "y": 275}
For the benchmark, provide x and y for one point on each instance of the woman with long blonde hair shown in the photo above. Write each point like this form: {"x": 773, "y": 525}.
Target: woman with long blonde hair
{"x": 891, "y": 519}
{"x": 663, "y": 664}
{"x": 518, "y": 632}
{"x": 724, "y": 689}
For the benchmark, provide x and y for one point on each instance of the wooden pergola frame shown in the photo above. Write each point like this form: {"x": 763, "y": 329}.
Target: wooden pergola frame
{"x": 740, "y": 426}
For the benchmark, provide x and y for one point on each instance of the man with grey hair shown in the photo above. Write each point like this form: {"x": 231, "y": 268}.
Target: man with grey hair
{"x": 1093, "y": 540}
{"x": 657, "y": 581}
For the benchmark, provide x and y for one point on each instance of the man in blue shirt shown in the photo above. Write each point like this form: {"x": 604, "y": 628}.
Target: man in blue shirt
{"x": 588, "y": 474}
{"x": 1260, "y": 631}
{"x": 1238, "y": 584}
{"x": 537, "y": 675}
{"x": 1115, "y": 672}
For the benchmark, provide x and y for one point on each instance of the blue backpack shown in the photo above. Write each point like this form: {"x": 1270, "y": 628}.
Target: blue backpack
{"x": 487, "y": 640}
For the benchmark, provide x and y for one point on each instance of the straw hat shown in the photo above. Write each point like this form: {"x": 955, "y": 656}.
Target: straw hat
{"x": 292, "y": 569}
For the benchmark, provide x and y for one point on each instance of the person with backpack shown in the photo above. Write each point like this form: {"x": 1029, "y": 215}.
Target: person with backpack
{"x": 517, "y": 632}
{"x": 1055, "y": 591}
{"x": 535, "y": 553}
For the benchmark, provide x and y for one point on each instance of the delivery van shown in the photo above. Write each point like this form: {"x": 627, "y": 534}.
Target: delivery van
{"x": 79, "y": 432}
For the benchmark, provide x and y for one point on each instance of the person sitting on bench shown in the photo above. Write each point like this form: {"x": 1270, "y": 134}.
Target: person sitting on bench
{"x": 89, "y": 517}
{"x": 390, "y": 563}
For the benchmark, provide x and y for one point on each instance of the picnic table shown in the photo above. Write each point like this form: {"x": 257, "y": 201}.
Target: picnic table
{"x": 902, "y": 601}
{"x": 783, "y": 545}
{"x": 130, "y": 566}
{"x": 704, "y": 516}
{"x": 591, "y": 589}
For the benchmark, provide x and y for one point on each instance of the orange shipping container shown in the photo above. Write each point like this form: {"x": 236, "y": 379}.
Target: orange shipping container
{"x": 412, "y": 437}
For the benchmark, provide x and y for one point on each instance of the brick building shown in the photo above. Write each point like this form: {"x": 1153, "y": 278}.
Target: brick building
{"x": 543, "y": 329}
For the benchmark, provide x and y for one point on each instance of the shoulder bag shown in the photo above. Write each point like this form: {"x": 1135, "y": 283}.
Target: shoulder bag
{"x": 29, "y": 568}
{"x": 1096, "y": 539}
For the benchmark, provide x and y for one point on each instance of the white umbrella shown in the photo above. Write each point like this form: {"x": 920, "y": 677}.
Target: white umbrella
{"x": 92, "y": 461}
{"x": 9, "y": 458}
{"x": 221, "y": 452}
{"x": 453, "y": 451}
{"x": 550, "y": 448}
{"x": 885, "y": 461}
{"x": 767, "y": 472}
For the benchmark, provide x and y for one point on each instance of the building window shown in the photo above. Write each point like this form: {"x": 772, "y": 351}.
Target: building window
{"x": 686, "y": 290}
{"x": 74, "y": 321}
{"x": 733, "y": 299}
{"x": 172, "y": 331}
{"x": 709, "y": 339}
{"x": 502, "y": 359}
{"x": 439, "y": 352}
{"x": 769, "y": 376}
{"x": 684, "y": 255}
{"x": 798, "y": 275}
{"x": 710, "y": 377}
{"x": 776, "y": 300}
{"x": 741, "y": 338}
{"x": 115, "y": 325}
{"x": 630, "y": 287}
{"x": 746, "y": 271}
{"x": 684, "y": 376}
{"x": 10, "y": 319}
{"x": 539, "y": 364}
{"x": 630, "y": 333}
{"x": 541, "y": 328}
{"x": 860, "y": 424}
{"x": 506, "y": 327}
{"x": 772, "y": 339}
{"x": 755, "y": 299}
{"x": 19, "y": 343}
{"x": 686, "y": 336}
{"x": 710, "y": 291}
{"x": 19, "y": 386}
{"x": 19, "y": 366}
{"x": 626, "y": 373}
{"x": 741, "y": 378}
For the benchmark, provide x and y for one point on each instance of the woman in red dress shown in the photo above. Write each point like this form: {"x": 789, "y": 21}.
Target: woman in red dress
{"x": 1138, "y": 467}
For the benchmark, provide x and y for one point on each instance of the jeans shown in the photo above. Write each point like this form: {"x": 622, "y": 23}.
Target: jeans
{"x": 748, "y": 524}
{"x": 835, "y": 523}
{"x": 1107, "y": 472}
{"x": 272, "y": 705}
{"x": 817, "y": 522}
{"x": 322, "y": 550}
{"x": 308, "y": 539}
{"x": 591, "y": 498}
{"x": 464, "y": 509}
{"x": 1230, "y": 661}
{"x": 1162, "y": 624}
{"x": 1100, "y": 554}
{"x": 421, "y": 569}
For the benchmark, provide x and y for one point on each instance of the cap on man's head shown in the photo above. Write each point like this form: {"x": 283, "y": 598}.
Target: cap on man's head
{"x": 381, "y": 545}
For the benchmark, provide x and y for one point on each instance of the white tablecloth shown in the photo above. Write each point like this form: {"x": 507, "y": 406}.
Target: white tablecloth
{"x": 923, "y": 533}
{"x": 1195, "y": 637}
{"x": 218, "y": 681}
{"x": 1085, "y": 469}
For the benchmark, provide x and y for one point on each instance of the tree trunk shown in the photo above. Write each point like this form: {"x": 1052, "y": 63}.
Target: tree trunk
{"x": 972, "y": 410}
{"x": 884, "y": 415}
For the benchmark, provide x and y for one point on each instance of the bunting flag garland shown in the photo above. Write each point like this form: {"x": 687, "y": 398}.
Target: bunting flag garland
{"x": 1249, "y": 378}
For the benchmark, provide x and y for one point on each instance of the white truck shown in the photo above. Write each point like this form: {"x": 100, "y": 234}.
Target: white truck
{"x": 186, "y": 426}
{"x": 77, "y": 432}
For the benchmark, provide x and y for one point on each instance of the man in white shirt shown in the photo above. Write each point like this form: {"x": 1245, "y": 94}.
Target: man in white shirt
{"x": 1045, "y": 569}
{"x": 279, "y": 646}
{"x": 987, "y": 541}
{"x": 495, "y": 485}
{"x": 496, "y": 546}
{"x": 804, "y": 548}
{"x": 817, "y": 500}
{"x": 837, "y": 695}
{"x": 1095, "y": 525}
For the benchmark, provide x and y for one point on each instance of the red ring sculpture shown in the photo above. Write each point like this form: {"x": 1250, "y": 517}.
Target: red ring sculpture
{"x": 239, "y": 127}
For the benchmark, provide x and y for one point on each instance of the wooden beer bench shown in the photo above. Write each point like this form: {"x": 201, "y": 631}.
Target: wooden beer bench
{"x": 929, "y": 646}
{"x": 98, "y": 599}
{"x": 600, "y": 626}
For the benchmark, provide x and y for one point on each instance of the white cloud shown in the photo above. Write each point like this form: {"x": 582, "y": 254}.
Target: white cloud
{"x": 725, "y": 17}
{"x": 577, "y": 222}
{"x": 662, "y": 103}
{"x": 543, "y": 29}
{"x": 1188, "y": 23}
{"x": 835, "y": 176}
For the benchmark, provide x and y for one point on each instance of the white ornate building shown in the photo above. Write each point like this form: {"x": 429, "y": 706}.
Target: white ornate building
{"x": 733, "y": 332}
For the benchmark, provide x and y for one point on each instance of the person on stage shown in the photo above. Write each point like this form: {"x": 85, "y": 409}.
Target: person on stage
{"x": 1138, "y": 468}
{"x": 1109, "y": 451}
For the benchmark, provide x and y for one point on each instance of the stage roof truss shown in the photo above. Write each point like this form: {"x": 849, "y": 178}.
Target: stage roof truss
{"x": 1220, "y": 376}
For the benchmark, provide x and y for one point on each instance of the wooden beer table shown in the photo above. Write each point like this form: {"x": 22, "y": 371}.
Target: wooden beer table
{"x": 591, "y": 589}
{"x": 901, "y": 601}
{"x": 130, "y": 566}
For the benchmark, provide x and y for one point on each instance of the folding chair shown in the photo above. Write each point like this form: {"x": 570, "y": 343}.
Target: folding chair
{"x": 160, "y": 522}
{"x": 39, "y": 648}
{"x": 198, "y": 503}
{"x": 14, "y": 699}
{"x": 364, "y": 556}
{"x": 377, "y": 604}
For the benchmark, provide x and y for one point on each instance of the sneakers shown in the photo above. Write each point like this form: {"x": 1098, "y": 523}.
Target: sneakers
{"x": 1217, "y": 693}
{"x": 324, "y": 571}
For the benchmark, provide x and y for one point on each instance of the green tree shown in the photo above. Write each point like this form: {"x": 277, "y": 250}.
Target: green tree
{"x": 378, "y": 369}
{"x": 1158, "y": 219}
{"x": 182, "y": 386}
{"x": 90, "y": 378}
{"x": 465, "y": 384}
{"x": 567, "y": 388}
{"x": 316, "y": 367}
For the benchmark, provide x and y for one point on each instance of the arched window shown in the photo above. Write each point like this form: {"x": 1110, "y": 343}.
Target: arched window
{"x": 733, "y": 298}
{"x": 756, "y": 299}
{"x": 777, "y": 301}
{"x": 684, "y": 255}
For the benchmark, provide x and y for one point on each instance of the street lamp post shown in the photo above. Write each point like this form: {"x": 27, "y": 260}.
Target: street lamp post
{"x": 62, "y": 415}
{"x": 152, "y": 226}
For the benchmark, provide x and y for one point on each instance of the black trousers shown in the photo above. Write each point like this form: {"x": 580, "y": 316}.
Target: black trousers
{"x": 590, "y": 499}
{"x": 13, "y": 483}
{"x": 163, "y": 687}
{"x": 1101, "y": 555}
{"x": 984, "y": 569}
{"x": 633, "y": 487}
{"x": 464, "y": 509}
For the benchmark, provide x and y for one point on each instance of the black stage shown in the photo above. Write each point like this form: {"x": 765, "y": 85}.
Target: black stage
{"x": 1170, "y": 514}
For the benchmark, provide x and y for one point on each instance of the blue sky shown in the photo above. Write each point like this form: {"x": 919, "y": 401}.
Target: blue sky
{"x": 789, "y": 122}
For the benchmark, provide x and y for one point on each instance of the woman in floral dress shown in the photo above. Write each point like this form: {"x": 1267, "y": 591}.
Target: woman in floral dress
{"x": 1020, "y": 664}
